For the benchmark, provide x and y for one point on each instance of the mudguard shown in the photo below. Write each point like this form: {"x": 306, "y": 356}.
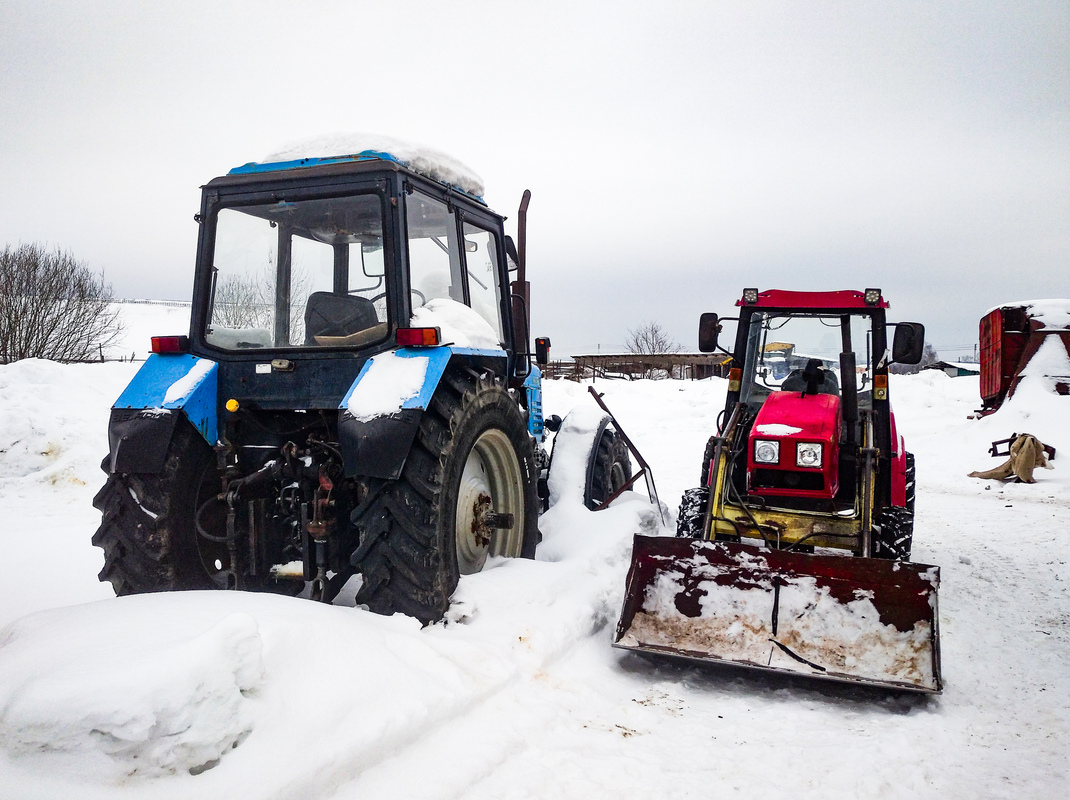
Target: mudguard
{"x": 380, "y": 414}
{"x": 144, "y": 416}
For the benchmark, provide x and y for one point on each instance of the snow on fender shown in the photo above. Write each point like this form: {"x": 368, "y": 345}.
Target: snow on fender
{"x": 573, "y": 447}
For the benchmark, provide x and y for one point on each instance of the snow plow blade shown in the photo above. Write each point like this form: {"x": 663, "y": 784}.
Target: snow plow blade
{"x": 859, "y": 620}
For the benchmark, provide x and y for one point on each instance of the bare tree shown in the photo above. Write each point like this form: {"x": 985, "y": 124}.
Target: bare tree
{"x": 651, "y": 339}
{"x": 52, "y": 306}
{"x": 247, "y": 300}
{"x": 244, "y": 301}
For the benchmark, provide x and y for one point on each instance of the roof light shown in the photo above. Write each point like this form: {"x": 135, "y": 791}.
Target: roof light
{"x": 750, "y": 296}
{"x": 170, "y": 344}
{"x": 872, "y": 297}
{"x": 418, "y": 337}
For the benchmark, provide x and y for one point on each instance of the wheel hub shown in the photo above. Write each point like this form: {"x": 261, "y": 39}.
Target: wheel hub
{"x": 490, "y": 500}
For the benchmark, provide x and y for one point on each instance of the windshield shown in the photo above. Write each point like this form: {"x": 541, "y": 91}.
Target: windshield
{"x": 779, "y": 346}
{"x": 304, "y": 273}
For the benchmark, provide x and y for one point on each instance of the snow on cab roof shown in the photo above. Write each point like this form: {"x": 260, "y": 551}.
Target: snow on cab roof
{"x": 338, "y": 147}
{"x": 1052, "y": 313}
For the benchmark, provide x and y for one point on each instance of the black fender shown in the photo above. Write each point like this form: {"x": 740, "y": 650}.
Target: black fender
{"x": 378, "y": 447}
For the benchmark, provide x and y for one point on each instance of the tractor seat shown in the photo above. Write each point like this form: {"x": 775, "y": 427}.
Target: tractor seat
{"x": 795, "y": 382}
{"x": 329, "y": 314}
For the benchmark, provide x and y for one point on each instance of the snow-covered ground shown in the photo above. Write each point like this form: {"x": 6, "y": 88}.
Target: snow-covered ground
{"x": 143, "y": 319}
{"x": 519, "y": 694}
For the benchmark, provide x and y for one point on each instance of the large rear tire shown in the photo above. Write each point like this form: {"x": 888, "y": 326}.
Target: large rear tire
{"x": 147, "y": 531}
{"x": 467, "y": 492}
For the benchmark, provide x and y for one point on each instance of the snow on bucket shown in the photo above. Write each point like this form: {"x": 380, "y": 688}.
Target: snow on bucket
{"x": 853, "y": 619}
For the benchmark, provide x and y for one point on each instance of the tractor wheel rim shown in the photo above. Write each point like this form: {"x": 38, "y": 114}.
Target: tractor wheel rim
{"x": 491, "y": 483}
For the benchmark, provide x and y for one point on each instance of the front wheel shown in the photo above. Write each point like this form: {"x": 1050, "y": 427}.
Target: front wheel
{"x": 466, "y": 493}
{"x": 692, "y": 513}
{"x": 893, "y": 534}
{"x": 609, "y": 469}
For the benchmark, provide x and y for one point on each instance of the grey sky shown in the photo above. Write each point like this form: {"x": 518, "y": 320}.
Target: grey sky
{"x": 676, "y": 151}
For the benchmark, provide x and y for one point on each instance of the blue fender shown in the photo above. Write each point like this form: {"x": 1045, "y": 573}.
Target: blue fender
{"x": 380, "y": 414}
{"x": 144, "y": 416}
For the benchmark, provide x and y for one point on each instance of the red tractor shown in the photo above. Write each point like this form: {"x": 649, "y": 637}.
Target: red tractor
{"x": 807, "y": 467}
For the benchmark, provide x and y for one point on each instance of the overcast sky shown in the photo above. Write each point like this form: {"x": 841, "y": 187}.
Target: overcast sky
{"x": 676, "y": 152}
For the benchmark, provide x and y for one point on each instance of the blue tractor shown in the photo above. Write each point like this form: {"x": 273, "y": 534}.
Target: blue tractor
{"x": 356, "y": 395}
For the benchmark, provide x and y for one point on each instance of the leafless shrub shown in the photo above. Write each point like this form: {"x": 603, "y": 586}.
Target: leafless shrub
{"x": 650, "y": 339}
{"x": 52, "y": 306}
{"x": 247, "y": 300}
{"x": 243, "y": 301}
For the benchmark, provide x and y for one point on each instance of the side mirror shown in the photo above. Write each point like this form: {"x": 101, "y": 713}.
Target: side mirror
{"x": 510, "y": 250}
{"x": 909, "y": 343}
{"x": 708, "y": 328}
{"x": 542, "y": 351}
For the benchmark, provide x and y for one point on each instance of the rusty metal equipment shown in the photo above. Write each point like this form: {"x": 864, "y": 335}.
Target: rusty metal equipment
{"x": 793, "y": 553}
{"x": 1009, "y": 337}
{"x": 783, "y": 611}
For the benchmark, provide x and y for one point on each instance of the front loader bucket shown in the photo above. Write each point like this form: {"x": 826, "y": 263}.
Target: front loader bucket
{"x": 862, "y": 620}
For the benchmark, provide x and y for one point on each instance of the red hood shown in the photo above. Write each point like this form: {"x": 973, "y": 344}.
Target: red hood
{"x": 815, "y": 417}
{"x": 791, "y": 418}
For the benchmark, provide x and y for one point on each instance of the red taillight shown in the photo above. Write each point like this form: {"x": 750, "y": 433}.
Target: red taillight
{"x": 418, "y": 337}
{"x": 170, "y": 344}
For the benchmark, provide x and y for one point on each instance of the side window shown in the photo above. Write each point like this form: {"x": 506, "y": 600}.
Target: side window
{"x": 481, "y": 260}
{"x": 434, "y": 255}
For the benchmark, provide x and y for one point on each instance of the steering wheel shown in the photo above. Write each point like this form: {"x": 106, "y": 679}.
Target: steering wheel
{"x": 416, "y": 292}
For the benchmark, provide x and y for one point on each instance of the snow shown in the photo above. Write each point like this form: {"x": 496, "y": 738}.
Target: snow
{"x": 459, "y": 325}
{"x": 143, "y": 319}
{"x": 776, "y": 429}
{"x": 1053, "y": 313}
{"x": 389, "y": 381}
{"x": 188, "y": 382}
{"x": 1051, "y": 360}
{"x": 425, "y": 160}
{"x": 163, "y": 701}
{"x": 735, "y": 624}
{"x": 572, "y": 444}
{"x": 519, "y": 693}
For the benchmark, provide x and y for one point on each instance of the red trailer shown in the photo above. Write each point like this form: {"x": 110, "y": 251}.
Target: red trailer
{"x": 1010, "y": 336}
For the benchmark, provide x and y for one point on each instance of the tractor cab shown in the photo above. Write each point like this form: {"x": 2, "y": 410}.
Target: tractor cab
{"x": 808, "y": 390}
{"x": 337, "y": 259}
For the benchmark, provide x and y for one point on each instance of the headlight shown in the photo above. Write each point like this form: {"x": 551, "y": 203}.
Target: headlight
{"x": 808, "y": 454}
{"x": 767, "y": 452}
